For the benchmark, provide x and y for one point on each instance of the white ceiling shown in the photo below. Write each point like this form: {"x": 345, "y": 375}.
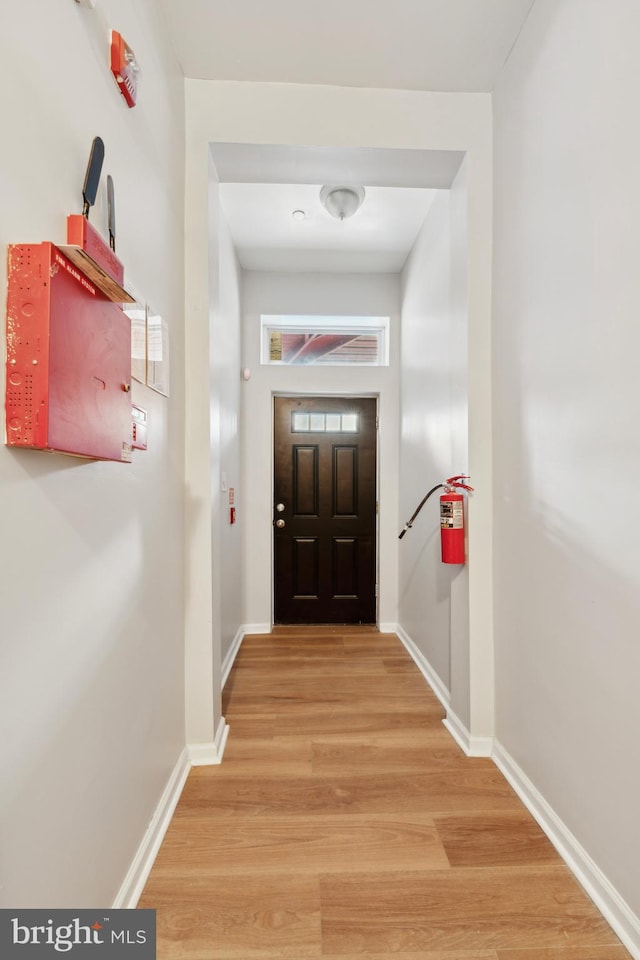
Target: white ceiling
{"x": 438, "y": 45}
{"x": 456, "y": 45}
{"x": 376, "y": 239}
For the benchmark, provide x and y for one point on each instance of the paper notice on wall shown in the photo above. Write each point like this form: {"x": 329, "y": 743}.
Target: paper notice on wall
{"x": 275, "y": 345}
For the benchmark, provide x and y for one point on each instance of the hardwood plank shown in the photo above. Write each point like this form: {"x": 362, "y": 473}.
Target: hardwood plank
{"x": 372, "y": 640}
{"x": 267, "y": 757}
{"x": 431, "y": 736}
{"x": 300, "y": 845}
{"x": 280, "y": 686}
{"x": 392, "y": 753}
{"x": 240, "y": 919}
{"x": 293, "y": 668}
{"x": 566, "y": 953}
{"x": 397, "y": 664}
{"x": 458, "y": 909}
{"x": 274, "y": 650}
{"x": 364, "y": 715}
{"x": 223, "y": 795}
{"x": 421, "y": 955}
{"x": 319, "y": 704}
{"x": 489, "y": 840}
{"x": 253, "y": 725}
{"x": 372, "y": 719}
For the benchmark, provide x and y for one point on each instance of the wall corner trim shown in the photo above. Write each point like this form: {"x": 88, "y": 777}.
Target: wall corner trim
{"x": 133, "y": 884}
{"x": 256, "y": 628}
{"x": 424, "y": 667}
{"x": 471, "y": 746}
{"x": 613, "y": 907}
{"x": 210, "y": 753}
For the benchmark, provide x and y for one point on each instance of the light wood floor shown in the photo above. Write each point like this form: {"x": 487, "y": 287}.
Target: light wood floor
{"x": 344, "y": 822}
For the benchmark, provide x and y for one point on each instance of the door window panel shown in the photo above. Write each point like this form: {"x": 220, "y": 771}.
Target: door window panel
{"x": 318, "y": 422}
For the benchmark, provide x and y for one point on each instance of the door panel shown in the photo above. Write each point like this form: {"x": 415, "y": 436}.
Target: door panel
{"x": 305, "y": 568}
{"x": 305, "y": 481}
{"x": 325, "y": 533}
{"x": 345, "y": 475}
{"x": 345, "y": 567}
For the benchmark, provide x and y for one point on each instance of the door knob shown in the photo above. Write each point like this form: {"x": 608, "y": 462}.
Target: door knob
{"x": 280, "y": 523}
{"x": 280, "y": 507}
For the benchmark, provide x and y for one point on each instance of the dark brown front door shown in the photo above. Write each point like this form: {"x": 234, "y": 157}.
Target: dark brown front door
{"x": 325, "y": 510}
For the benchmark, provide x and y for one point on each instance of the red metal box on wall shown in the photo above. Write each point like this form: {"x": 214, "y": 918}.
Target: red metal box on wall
{"x": 68, "y": 359}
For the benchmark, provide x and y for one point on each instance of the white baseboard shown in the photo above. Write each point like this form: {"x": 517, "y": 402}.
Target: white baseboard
{"x": 222, "y": 734}
{"x": 472, "y": 746}
{"x": 424, "y": 667}
{"x": 388, "y": 627}
{"x": 614, "y": 909}
{"x": 256, "y": 628}
{"x": 210, "y": 753}
{"x": 232, "y": 653}
{"x": 193, "y": 755}
{"x": 133, "y": 885}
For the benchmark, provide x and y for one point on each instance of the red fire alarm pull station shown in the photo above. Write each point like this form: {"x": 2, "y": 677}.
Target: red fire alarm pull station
{"x": 125, "y": 68}
{"x": 68, "y": 359}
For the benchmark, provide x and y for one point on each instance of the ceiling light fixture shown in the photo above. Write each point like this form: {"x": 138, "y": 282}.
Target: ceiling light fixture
{"x": 341, "y": 202}
{"x": 299, "y": 215}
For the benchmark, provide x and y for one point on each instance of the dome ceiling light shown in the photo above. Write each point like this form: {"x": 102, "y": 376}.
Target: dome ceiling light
{"x": 341, "y": 202}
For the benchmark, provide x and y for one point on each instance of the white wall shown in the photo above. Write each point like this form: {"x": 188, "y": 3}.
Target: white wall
{"x": 91, "y": 618}
{"x": 324, "y": 295}
{"x": 426, "y": 444}
{"x": 434, "y": 597}
{"x": 566, "y": 348}
{"x": 227, "y": 362}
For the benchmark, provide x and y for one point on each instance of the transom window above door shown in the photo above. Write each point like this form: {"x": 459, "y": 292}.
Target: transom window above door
{"x": 333, "y": 341}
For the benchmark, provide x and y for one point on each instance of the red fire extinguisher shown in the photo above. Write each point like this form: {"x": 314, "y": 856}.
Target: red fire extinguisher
{"x": 451, "y": 518}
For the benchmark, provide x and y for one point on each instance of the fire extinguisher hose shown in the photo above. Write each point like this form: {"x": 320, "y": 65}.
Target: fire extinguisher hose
{"x": 409, "y": 523}
{"x": 450, "y": 484}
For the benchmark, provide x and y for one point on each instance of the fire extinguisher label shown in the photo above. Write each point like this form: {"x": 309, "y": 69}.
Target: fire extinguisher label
{"x": 451, "y": 515}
